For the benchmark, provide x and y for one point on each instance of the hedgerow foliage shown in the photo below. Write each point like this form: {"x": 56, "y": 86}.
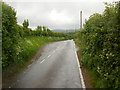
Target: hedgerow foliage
{"x": 99, "y": 44}
{"x": 12, "y": 33}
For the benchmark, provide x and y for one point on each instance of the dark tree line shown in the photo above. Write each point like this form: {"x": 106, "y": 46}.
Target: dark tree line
{"x": 39, "y": 31}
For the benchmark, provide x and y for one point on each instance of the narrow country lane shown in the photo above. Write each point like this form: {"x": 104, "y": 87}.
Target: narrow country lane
{"x": 57, "y": 67}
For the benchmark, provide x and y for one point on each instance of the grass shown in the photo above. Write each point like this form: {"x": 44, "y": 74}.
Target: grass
{"x": 30, "y": 45}
{"x": 97, "y": 81}
{"x": 26, "y": 49}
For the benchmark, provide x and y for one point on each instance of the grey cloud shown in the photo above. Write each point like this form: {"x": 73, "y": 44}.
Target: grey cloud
{"x": 67, "y": 13}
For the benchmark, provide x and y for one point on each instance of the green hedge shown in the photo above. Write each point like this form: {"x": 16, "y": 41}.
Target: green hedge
{"x": 12, "y": 34}
{"x": 99, "y": 44}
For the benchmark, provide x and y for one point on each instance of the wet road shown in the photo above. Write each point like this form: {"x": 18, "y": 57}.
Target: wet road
{"x": 57, "y": 67}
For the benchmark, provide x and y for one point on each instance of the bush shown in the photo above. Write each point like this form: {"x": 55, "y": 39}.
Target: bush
{"x": 10, "y": 35}
{"x": 99, "y": 43}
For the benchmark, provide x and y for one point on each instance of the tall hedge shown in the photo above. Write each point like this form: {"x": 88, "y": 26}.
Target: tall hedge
{"x": 99, "y": 43}
{"x": 10, "y": 35}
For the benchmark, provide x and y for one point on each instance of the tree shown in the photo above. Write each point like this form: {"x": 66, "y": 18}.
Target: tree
{"x": 99, "y": 41}
{"x": 10, "y": 35}
{"x": 44, "y": 31}
{"x": 50, "y": 33}
{"x": 26, "y": 23}
{"x": 39, "y": 30}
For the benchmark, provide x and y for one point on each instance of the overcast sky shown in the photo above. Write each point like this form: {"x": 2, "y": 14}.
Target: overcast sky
{"x": 56, "y": 14}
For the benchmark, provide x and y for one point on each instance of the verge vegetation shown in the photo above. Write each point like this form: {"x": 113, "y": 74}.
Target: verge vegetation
{"x": 99, "y": 45}
{"x": 19, "y": 43}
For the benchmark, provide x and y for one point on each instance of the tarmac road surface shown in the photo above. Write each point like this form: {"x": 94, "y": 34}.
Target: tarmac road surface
{"x": 57, "y": 67}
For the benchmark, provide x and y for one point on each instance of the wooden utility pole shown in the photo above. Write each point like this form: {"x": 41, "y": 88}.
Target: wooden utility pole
{"x": 80, "y": 20}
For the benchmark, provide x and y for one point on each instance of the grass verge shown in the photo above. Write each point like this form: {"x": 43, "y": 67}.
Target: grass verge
{"x": 91, "y": 76}
{"x": 88, "y": 78}
{"x": 29, "y": 49}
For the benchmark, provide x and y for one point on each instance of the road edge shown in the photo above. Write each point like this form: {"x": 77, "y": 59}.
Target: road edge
{"x": 80, "y": 72}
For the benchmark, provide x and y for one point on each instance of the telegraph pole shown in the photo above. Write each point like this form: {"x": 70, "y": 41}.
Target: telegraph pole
{"x": 80, "y": 20}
